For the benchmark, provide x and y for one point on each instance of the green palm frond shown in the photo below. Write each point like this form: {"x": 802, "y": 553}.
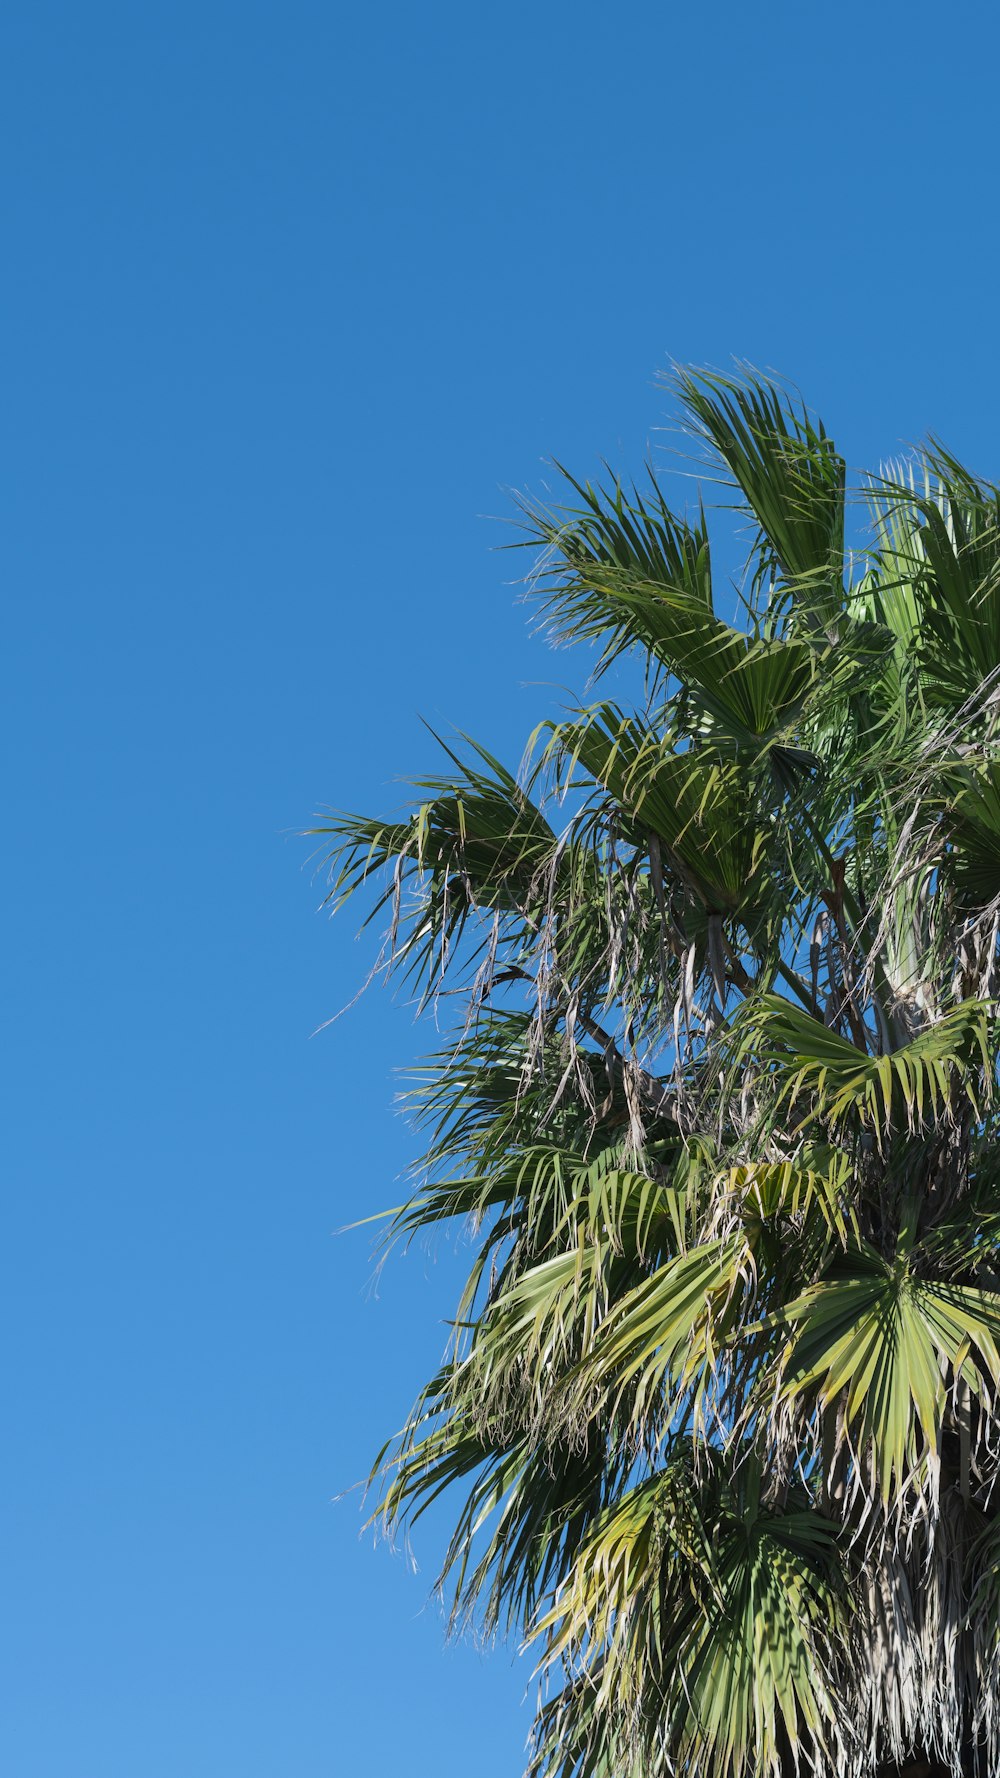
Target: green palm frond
{"x": 829, "y": 1078}
{"x": 701, "y": 1613}
{"x": 792, "y": 479}
{"x": 696, "y": 807}
{"x": 891, "y": 1344}
{"x": 814, "y": 1190}
{"x": 479, "y": 816}
{"x": 598, "y": 554}
{"x": 938, "y": 564}
{"x": 973, "y": 827}
{"x": 749, "y": 688}
{"x": 659, "y": 1349}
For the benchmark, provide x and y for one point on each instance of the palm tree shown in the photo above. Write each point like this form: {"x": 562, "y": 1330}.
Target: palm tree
{"x": 717, "y": 1099}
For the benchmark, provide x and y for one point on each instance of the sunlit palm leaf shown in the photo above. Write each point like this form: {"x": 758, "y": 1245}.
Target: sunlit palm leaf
{"x": 891, "y": 1344}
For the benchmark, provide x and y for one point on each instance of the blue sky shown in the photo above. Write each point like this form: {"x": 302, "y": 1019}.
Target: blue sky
{"x": 292, "y": 294}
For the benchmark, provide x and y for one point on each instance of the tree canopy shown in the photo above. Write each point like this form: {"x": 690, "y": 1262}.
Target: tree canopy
{"x": 716, "y": 1098}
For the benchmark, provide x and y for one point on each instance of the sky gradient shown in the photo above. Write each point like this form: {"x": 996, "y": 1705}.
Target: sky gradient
{"x": 293, "y": 295}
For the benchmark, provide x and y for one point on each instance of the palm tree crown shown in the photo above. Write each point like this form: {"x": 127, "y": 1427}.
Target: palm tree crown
{"x": 720, "y": 1411}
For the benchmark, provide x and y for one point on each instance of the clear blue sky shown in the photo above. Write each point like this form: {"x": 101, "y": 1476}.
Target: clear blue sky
{"x": 290, "y": 292}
